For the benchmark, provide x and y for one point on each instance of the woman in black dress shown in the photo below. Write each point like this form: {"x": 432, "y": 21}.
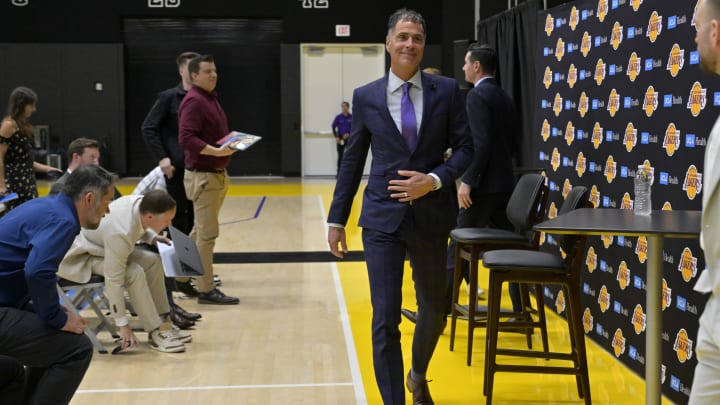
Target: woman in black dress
{"x": 17, "y": 166}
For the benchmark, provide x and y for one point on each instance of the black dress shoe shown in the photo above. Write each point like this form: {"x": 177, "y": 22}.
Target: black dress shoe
{"x": 217, "y": 297}
{"x": 185, "y": 314}
{"x": 409, "y": 315}
{"x": 186, "y": 288}
{"x": 180, "y": 321}
{"x": 420, "y": 391}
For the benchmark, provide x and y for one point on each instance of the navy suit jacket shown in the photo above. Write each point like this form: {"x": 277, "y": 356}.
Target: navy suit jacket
{"x": 443, "y": 126}
{"x": 494, "y": 129}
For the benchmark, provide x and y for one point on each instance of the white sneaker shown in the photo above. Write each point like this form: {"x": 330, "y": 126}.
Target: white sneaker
{"x": 179, "y": 335}
{"x": 163, "y": 341}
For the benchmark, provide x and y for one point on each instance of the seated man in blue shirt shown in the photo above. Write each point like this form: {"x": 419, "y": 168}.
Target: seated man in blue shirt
{"x": 34, "y": 328}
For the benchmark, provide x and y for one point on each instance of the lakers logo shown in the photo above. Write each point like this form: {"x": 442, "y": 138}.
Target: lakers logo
{"x": 557, "y": 104}
{"x": 547, "y": 79}
{"x": 672, "y": 139}
{"x": 604, "y": 299}
{"x": 654, "y": 27}
{"x": 650, "y": 170}
{"x": 595, "y": 196}
{"x": 552, "y": 210}
{"x": 676, "y": 60}
{"x": 623, "y": 275}
{"x": 641, "y": 249}
{"x": 667, "y": 206}
{"x": 688, "y": 265}
{"x": 610, "y": 169}
{"x": 638, "y": 320}
{"x": 599, "y": 72}
{"x": 627, "y": 202}
{"x": 566, "y": 188}
{"x": 613, "y": 102}
{"x": 607, "y": 240}
{"x": 597, "y": 136}
{"x": 580, "y": 164}
{"x": 545, "y": 132}
{"x": 651, "y": 101}
{"x": 555, "y": 159}
{"x": 633, "y": 67}
{"x": 683, "y": 346}
{"x": 693, "y": 182}
{"x": 591, "y": 260}
{"x": 618, "y": 343}
{"x": 572, "y": 76}
{"x": 574, "y": 18}
{"x": 697, "y": 100}
{"x": 549, "y": 25}
{"x": 586, "y": 44}
{"x": 583, "y": 104}
{"x": 560, "y": 49}
{"x": 602, "y": 10}
{"x": 636, "y": 4}
{"x": 630, "y": 139}
{"x": 587, "y": 320}
{"x": 569, "y": 133}
{"x": 617, "y": 36}
{"x": 666, "y": 295}
{"x": 560, "y": 302}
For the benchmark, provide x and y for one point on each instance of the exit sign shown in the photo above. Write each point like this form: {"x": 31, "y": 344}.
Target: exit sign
{"x": 342, "y": 30}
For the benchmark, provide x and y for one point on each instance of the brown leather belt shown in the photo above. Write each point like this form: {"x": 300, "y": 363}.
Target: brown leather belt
{"x": 216, "y": 171}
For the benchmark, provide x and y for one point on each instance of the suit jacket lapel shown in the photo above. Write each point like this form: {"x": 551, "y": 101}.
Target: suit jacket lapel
{"x": 429, "y": 89}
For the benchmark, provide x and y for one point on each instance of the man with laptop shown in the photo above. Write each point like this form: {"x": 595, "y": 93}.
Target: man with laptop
{"x": 112, "y": 251}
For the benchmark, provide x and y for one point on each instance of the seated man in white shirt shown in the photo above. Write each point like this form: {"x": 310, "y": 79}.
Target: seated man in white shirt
{"x": 111, "y": 250}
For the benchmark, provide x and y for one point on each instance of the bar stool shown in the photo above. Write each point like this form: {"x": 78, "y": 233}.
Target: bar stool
{"x": 525, "y": 208}
{"x": 534, "y": 267}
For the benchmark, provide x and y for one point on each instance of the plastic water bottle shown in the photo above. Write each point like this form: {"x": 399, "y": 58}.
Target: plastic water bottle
{"x": 643, "y": 179}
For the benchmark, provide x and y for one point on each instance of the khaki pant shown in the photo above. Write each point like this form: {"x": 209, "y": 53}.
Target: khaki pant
{"x": 145, "y": 285}
{"x": 207, "y": 193}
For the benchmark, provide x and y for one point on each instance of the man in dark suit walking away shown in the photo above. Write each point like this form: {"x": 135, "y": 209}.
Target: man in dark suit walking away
{"x": 410, "y": 205}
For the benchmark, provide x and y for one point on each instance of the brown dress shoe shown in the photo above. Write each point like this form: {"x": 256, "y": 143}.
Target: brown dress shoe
{"x": 217, "y": 297}
{"x": 180, "y": 321}
{"x": 420, "y": 391}
{"x": 185, "y": 314}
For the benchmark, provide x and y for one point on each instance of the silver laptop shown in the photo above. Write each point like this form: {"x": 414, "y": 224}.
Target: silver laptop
{"x": 182, "y": 259}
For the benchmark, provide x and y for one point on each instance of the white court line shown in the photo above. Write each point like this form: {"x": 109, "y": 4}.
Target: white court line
{"x": 360, "y": 397}
{"x": 214, "y": 387}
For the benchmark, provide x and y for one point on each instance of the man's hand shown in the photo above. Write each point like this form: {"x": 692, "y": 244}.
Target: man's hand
{"x": 464, "y": 196}
{"x": 74, "y": 324}
{"x": 337, "y": 235}
{"x": 127, "y": 337}
{"x": 162, "y": 239}
{"x": 415, "y": 186}
{"x": 167, "y": 168}
{"x": 345, "y": 136}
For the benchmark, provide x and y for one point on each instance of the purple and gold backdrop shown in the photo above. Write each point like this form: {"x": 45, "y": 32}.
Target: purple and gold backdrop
{"x": 619, "y": 86}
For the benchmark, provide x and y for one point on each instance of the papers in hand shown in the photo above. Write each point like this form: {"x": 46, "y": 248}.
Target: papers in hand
{"x": 9, "y": 197}
{"x": 238, "y": 140}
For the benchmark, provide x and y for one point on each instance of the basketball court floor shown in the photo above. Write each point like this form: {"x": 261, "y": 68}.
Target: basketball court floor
{"x": 301, "y": 334}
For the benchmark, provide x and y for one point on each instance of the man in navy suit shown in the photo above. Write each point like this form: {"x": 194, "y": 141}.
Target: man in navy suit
{"x": 410, "y": 205}
{"x": 489, "y": 180}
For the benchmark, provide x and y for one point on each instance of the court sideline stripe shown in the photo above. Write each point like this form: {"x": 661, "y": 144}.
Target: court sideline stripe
{"x": 257, "y": 213}
{"x": 360, "y": 397}
{"x": 214, "y": 387}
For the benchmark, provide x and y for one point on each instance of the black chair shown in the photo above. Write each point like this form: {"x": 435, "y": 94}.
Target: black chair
{"x": 526, "y": 208}
{"x": 535, "y": 267}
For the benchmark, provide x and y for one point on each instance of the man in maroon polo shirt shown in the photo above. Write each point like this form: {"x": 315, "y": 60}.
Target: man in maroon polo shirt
{"x": 201, "y": 123}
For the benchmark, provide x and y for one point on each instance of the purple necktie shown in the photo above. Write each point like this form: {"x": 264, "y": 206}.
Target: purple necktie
{"x": 407, "y": 118}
